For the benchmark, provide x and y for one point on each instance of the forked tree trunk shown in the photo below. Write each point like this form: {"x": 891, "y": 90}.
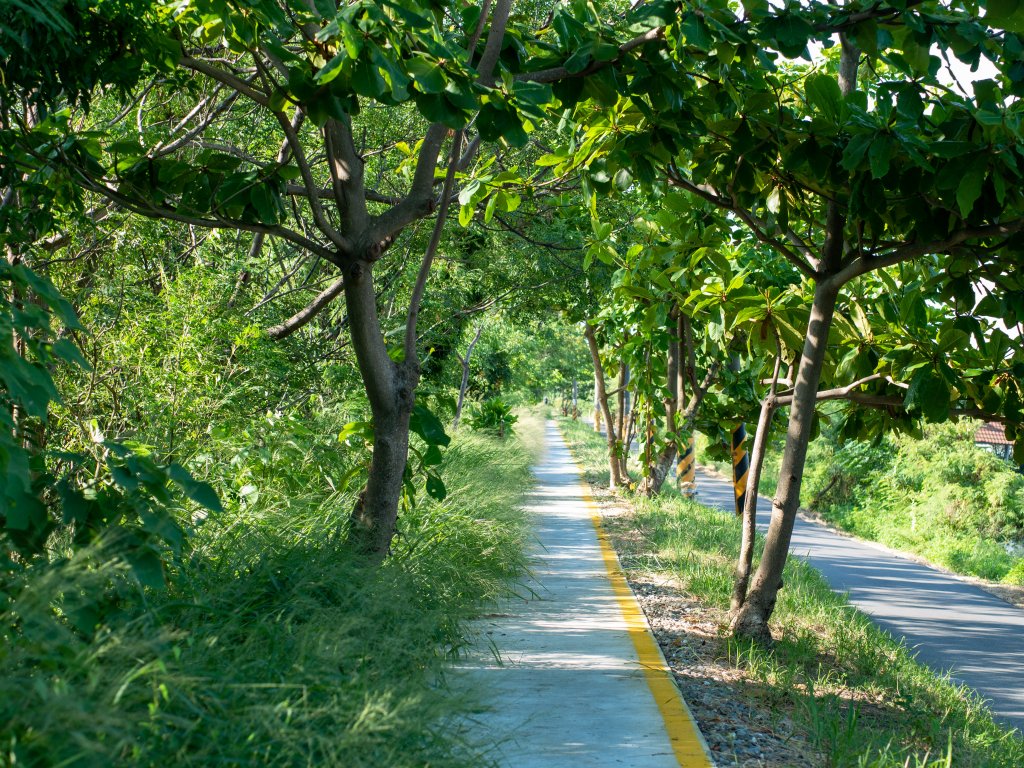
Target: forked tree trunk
{"x": 741, "y": 577}
{"x": 614, "y": 477}
{"x": 751, "y": 619}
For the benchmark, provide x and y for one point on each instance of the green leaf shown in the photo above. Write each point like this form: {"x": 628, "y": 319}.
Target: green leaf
{"x": 201, "y": 493}
{"x": 363, "y": 429}
{"x": 855, "y": 151}
{"x": 824, "y": 95}
{"x": 879, "y": 156}
{"x": 331, "y": 69}
{"x": 435, "y": 488}
{"x": 432, "y": 457}
{"x": 1005, "y": 14}
{"x": 428, "y": 75}
{"x": 928, "y": 395}
{"x": 969, "y": 190}
{"x": 265, "y": 203}
{"x": 425, "y": 423}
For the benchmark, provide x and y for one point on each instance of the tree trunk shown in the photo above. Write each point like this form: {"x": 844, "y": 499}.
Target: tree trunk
{"x": 614, "y": 478}
{"x": 465, "y": 379}
{"x": 625, "y": 429}
{"x": 674, "y": 384}
{"x": 741, "y": 577}
{"x": 391, "y": 389}
{"x": 687, "y": 419}
{"x": 752, "y": 618}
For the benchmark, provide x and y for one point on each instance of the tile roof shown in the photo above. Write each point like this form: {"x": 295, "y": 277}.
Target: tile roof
{"x": 991, "y": 433}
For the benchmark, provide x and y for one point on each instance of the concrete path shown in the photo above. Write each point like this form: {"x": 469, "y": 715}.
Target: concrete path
{"x": 951, "y": 624}
{"x": 581, "y": 681}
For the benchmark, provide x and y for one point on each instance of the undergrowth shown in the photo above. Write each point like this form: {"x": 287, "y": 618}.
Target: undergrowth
{"x": 272, "y": 645}
{"x": 858, "y": 696}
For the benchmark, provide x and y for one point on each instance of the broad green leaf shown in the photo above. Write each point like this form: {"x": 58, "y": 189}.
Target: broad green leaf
{"x": 824, "y": 95}
{"x": 201, "y": 493}
{"x": 425, "y": 423}
{"x": 969, "y": 190}
{"x": 928, "y": 395}
{"x": 436, "y": 488}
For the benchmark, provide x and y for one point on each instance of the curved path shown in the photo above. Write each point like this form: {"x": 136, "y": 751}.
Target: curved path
{"x": 951, "y": 624}
{"x": 571, "y": 674}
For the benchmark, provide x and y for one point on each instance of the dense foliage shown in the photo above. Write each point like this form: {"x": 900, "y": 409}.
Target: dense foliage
{"x": 256, "y": 255}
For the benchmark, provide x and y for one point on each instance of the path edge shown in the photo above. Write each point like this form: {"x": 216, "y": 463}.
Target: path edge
{"x": 688, "y": 744}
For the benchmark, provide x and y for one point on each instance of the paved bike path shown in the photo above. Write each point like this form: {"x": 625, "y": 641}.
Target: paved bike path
{"x": 580, "y": 681}
{"x": 952, "y": 625}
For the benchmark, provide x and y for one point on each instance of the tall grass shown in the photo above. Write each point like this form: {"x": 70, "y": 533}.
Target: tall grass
{"x": 858, "y": 695}
{"x": 272, "y": 645}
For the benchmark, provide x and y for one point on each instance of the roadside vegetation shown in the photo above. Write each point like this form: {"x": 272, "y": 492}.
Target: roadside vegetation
{"x": 857, "y": 696}
{"x": 271, "y": 643}
{"x": 938, "y": 496}
{"x": 258, "y": 259}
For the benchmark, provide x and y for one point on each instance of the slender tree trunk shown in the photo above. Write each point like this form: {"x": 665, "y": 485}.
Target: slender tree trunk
{"x": 614, "y": 478}
{"x": 663, "y": 464}
{"x": 625, "y": 429}
{"x": 687, "y": 419}
{"x": 390, "y": 388}
{"x": 752, "y": 618}
{"x": 465, "y": 378}
{"x": 744, "y": 564}
{"x": 597, "y": 407}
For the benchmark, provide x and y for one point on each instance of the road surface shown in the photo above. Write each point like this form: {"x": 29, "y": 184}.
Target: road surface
{"x": 951, "y": 624}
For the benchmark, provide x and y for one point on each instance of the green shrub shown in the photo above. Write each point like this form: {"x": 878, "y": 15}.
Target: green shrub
{"x": 493, "y": 415}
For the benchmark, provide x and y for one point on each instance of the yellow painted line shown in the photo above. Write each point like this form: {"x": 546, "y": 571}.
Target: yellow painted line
{"x": 688, "y": 744}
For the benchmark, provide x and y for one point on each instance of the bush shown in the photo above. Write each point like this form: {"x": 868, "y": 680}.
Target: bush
{"x": 494, "y": 415}
{"x": 270, "y": 643}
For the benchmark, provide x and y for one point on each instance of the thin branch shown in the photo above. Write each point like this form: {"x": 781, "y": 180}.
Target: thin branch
{"x": 867, "y": 262}
{"x": 305, "y": 315}
{"x": 428, "y": 256}
{"x": 322, "y": 222}
{"x": 555, "y": 74}
{"x": 227, "y": 78}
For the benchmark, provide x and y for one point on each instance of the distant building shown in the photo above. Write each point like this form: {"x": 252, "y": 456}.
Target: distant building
{"x": 992, "y": 437}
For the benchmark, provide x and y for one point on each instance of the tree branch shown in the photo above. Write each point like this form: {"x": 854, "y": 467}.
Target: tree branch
{"x": 323, "y": 224}
{"x": 555, "y": 74}
{"x": 305, "y": 315}
{"x": 227, "y": 78}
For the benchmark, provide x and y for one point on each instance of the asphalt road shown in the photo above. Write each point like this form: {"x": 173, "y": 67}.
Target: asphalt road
{"x": 951, "y": 624}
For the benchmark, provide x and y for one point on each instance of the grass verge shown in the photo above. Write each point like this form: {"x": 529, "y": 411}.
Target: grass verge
{"x": 857, "y": 696}
{"x": 272, "y": 646}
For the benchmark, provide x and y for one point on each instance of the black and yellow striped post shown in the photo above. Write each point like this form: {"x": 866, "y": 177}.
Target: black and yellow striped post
{"x": 740, "y": 466}
{"x": 686, "y": 469}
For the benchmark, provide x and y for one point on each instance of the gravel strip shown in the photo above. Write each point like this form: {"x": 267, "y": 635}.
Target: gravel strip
{"x": 733, "y": 712}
